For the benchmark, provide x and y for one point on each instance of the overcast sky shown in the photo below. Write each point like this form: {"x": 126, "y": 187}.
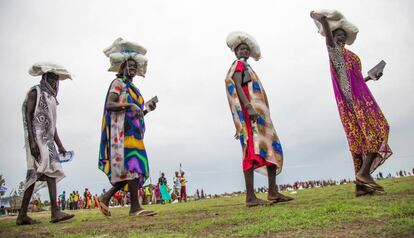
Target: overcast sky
{"x": 188, "y": 61}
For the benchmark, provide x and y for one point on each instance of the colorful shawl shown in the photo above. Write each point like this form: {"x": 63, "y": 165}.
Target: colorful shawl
{"x": 122, "y": 156}
{"x": 365, "y": 126}
{"x": 266, "y": 141}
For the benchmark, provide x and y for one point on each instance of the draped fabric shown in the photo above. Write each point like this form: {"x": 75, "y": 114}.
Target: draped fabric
{"x": 165, "y": 195}
{"x": 265, "y": 140}
{"x": 365, "y": 126}
{"x": 44, "y": 126}
{"x": 122, "y": 154}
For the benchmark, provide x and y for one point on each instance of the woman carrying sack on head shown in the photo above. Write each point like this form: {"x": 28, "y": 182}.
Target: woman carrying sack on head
{"x": 122, "y": 155}
{"x": 261, "y": 147}
{"x": 365, "y": 126}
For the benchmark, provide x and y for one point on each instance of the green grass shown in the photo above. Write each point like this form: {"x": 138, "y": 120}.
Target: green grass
{"x": 320, "y": 212}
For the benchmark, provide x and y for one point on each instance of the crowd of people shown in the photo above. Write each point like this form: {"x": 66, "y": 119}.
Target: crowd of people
{"x": 298, "y": 185}
{"x": 159, "y": 193}
{"x": 75, "y": 201}
{"x": 401, "y": 173}
{"x": 311, "y": 184}
{"x": 152, "y": 194}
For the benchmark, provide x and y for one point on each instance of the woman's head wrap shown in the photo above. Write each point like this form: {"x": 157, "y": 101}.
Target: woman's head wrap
{"x": 122, "y": 50}
{"x": 236, "y": 38}
{"x": 336, "y": 20}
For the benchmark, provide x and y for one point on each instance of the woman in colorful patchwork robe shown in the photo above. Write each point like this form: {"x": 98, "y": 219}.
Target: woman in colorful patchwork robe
{"x": 365, "y": 125}
{"x": 261, "y": 147}
{"x": 122, "y": 154}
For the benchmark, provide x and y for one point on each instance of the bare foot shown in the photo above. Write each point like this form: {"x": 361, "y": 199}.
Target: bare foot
{"x": 60, "y": 216}
{"x": 255, "y": 202}
{"x": 25, "y": 220}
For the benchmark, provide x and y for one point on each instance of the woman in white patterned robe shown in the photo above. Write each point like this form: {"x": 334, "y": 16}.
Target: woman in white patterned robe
{"x": 43, "y": 166}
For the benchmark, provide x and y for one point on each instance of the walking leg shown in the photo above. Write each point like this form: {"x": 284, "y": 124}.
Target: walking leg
{"x": 56, "y": 215}
{"x": 23, "y": 218}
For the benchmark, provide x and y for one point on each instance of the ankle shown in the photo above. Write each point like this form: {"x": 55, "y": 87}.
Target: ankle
{"x": 104, "y": 199}
{"x": 22, "y": 214}
{"x": 272, "y": 192}
{"x": 251, "y": 198}
{"x": 135, "y": 209}
{"x": 54, "y": 211}
{"x": 362, "y": 174}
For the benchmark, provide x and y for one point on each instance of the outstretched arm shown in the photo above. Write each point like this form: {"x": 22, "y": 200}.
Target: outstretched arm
{"x": 326, "y": 29}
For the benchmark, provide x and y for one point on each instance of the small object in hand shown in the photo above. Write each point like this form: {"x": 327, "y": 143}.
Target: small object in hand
{"x": 376, "y": 72}
{"x": 67, "y": 156}
{"x": 149, "y": 102}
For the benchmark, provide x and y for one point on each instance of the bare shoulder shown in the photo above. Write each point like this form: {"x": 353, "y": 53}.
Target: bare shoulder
{"x": 33, "y": 93}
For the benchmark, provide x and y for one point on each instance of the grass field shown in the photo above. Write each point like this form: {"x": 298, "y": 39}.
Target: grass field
{"x": 320, "y": 212}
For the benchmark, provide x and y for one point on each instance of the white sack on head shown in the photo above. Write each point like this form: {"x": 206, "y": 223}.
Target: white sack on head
{"x": 121, "y": 45}
{"x": 122, "y": 50}
{"x": 44, "y": 67}
{"x": 337, "y": 20}
{"x": 235, "y": 38}
{"x": 142, "y": 62}
{"x": 118, "y": 58}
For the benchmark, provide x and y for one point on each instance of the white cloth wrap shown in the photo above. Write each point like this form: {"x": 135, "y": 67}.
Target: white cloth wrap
{"x": 337, "y": 20}
{"x": 44, "y": 67}
{"x": 44, "y": 126}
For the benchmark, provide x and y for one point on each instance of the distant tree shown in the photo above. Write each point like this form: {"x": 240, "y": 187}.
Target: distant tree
{"x": 20, "y": 190}
{"x": 2, "y": 183}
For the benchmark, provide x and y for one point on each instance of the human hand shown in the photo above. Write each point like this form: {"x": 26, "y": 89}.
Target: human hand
{"x": 136, "y": 110}
{"x": 152, "y": 105}
{"x": 317, "y": 16}
{"x": 379, "y": 75}
{"x": 62, "y": 150}
{"x": 252, "y": 113}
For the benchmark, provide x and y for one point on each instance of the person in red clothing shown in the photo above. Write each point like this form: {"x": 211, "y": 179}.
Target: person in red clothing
{"x": 88, "y": 200}
{"x": 95, "y": 201}
{"x": 118, "y": 198}
{"x": 248, "y": 103}
{"x": 183, "y": 182}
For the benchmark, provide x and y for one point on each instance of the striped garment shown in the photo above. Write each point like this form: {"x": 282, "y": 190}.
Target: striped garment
{"x": 122, "y": 154}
